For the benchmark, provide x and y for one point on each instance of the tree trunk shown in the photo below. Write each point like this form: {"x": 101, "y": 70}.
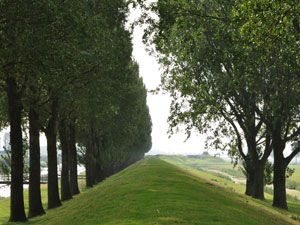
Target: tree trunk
{"x": 73, "y": 160}
{"x": 258, "y": 187}
{"x": 250, "y": 173}
{"x": 65, "y": 182}
{"x": 279, "y": 197}
{"x": 53, "y": 193}
{"x": 250, "y": 183}
{"x": 88, "y": 163}
{"x": 17, "y": 212}
{"x": 252, "y": 170}
{"x": 94, "y": 158}
{"x": 99, "y": 174}
{"x": 35, "y": 202}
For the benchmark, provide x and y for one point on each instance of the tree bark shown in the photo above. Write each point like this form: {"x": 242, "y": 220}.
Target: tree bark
{"x": 53, "y": 193}
{"x": 65, "y": 182}
{"x": 258, "y": 187}
{"x": 97, "y": 166}
{"x": 250, "y": 172}
{"x": 35, "y": 202}
{"x": 250, "y": 183}
{"x": 257, "y": 167}
{"x": 89, "y": 162}
{"x": 73, "y": 160}
{"x": 95, "y": 156}
{"x": 99, "y": 174}
{"x": 17, "y": 211}
{"x": 279, "y": 196}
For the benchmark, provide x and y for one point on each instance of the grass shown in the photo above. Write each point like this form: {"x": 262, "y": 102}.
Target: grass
{"x": 293, "y": 202}
{"x": 293, "y": 182}
{"x": 5, "y": 202}
{"x": 206, "y": 163}
{"x": 155, "y": 192}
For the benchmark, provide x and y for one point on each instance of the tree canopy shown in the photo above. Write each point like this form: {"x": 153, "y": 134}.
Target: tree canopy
{"x": 232, "y": 72}
{"x": 67, "y": 70}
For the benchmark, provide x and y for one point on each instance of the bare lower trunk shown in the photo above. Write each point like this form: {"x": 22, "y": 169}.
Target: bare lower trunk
{"x": 65, "y": 183}
{"x": 250, "y": 184}
{"x": 53, "y": 193}
{"x": 258, "y": 187}
{"x": 17, "y": 212}
{"x": 89, "y": 163}
{"x": 35, "y": 202}
{"x": 249, "y": 170}
{"x": 279, "y": 198}
{"x": 73, "y": 161}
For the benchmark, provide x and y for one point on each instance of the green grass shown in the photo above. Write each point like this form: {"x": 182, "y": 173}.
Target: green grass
{"x": 205, "y": 163}
{"x": 293, "y": 182}
{"x": 293, "y": 202}
{"x": 5, "y": 202}
{"x": 155, "y": 192}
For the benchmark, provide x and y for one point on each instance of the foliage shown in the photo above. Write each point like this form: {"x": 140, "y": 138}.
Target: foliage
{"x": 209, "y": 74}
{"x": 5, "y": 162}
{"x": 289, "y": 172}
{"x": 232, "y": 70}
{"x": 268, "y": 178}
{"x": 270, "y": 31}
{"x": 72, "y": 61}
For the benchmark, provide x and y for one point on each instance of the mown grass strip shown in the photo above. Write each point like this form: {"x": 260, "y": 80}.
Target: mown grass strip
{"x": 155, "y": 192}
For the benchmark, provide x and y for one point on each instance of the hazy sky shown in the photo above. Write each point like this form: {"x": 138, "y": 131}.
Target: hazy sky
{"x": 159, "y": 105}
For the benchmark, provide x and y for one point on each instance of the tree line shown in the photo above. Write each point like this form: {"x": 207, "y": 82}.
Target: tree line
{"x": 66, "y": 70}
{"x": 232, "y": 70}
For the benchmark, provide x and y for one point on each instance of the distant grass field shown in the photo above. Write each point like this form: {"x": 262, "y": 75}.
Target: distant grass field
{"x": 204, "y": 164}
{"x": 293, "y": 182}
{"x": 155, "y": 192}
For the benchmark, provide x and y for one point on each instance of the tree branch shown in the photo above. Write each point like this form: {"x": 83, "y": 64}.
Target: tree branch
{"x": 292, "y": 155}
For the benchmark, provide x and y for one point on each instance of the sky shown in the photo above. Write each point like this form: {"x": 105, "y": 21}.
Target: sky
{"x": 159, "y": 104}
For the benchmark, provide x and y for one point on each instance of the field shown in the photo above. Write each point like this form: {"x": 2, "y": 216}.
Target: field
{"x": 4, "y": 202}
{"x": 155, "y": 192}
{"x": 222, "y": 173}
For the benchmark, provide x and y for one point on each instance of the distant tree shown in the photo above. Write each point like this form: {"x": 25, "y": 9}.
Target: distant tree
{"x": 205, "y": 153}
{"x": 5, "y": 162}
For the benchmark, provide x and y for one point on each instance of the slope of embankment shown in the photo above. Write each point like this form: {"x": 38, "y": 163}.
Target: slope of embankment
{"x": 155, "y": 192}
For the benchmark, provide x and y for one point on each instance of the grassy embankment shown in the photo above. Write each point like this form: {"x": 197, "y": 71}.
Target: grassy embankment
{"x": 155, "y": 192}
{"x": 221, "y": 173}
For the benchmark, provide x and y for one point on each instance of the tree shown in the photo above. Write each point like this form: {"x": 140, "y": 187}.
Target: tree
{"x": 5, "y": 166}
{"x": 58, "y": 55}
{"x": 271, "y": 31}
{"x": 35, "y": 201}
{"x": 206, "y": 74}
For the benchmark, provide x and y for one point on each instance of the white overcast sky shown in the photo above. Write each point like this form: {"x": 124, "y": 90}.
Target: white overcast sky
{"x": 159, "y": 104}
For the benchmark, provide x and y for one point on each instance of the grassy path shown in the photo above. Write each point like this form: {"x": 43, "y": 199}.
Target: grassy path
{"x": 155, "y": 192}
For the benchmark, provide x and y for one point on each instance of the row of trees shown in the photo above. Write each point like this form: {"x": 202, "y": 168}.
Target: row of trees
{"x": 66, "y": 70}
{"x": 232, "y": 69}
